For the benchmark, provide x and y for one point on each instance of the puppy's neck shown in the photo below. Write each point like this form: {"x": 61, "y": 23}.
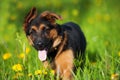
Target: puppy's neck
{"x": 62, "y": 44}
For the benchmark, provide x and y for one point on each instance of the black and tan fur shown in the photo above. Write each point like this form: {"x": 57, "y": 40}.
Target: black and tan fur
{"x": 62, "y": 42}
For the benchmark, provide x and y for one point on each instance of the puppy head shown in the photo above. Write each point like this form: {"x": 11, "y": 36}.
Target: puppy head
{"x": 41, "y": 30}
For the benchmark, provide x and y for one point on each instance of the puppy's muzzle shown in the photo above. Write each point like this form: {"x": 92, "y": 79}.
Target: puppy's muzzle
{"x": 39, "y": 45}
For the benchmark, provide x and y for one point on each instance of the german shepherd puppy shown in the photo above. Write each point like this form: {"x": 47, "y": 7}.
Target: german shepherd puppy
{"x": 59, "y": 43}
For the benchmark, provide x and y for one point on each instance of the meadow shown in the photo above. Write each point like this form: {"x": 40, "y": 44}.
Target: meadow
{"x": 99, "y": 20}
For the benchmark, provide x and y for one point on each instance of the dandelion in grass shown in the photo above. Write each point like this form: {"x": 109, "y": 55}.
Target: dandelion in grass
{"x": 44, "y": 72}
{"x": 30, "y": 75}
{"x": 115, "y": 76}
{"x": 6, "y": 56}
{"x": 17, "y": 67}
{"x": 21, "y": 55}
{"x": 38, "y": 72}
{"x": 52, "y": 72}
{"x": 27, "y": 50}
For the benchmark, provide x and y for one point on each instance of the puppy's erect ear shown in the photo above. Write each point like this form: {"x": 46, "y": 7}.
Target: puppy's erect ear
{"x": 30, "y": 16}
{"x": 51, "y": 17}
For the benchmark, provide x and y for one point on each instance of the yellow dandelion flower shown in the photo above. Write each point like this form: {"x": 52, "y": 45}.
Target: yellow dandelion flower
{"x": 6, "y": 56}
{"x": 30, "y": 75}
{"x": 44, "y": 72}
{"x": 75, "y": 12}
{"x": 115, "y": 76}
{"x": 38, "y": 72}
{"x": 27, "y": 50}
{"x": 21, "y": 55}
{"x": 17, "y": 67}
{"x": 52, "y": 72}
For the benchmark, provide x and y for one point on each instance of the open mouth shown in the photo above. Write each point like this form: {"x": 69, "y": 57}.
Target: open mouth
{"x": 43, "y": 52}
{"x": 42, "y": 55}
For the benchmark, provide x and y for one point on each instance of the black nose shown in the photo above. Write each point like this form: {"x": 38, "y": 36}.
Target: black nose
{"x": 39, "y": 43}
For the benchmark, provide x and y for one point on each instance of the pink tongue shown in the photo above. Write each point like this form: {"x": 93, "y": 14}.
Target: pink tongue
{"x": 42, "y": 55}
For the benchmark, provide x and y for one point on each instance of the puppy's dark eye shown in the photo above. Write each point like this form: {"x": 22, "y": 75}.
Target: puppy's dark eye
{"x": 45, "y": 28}
{"x": 32, "y": 31}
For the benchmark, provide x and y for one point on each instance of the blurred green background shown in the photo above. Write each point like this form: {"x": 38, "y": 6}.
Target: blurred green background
{"x": 99, "y": 20}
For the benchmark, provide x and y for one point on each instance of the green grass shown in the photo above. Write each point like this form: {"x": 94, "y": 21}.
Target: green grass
{"x": 98, "y": 19}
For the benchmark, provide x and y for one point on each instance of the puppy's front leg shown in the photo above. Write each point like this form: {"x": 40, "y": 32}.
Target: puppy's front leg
{"x": 64, "y": 65}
